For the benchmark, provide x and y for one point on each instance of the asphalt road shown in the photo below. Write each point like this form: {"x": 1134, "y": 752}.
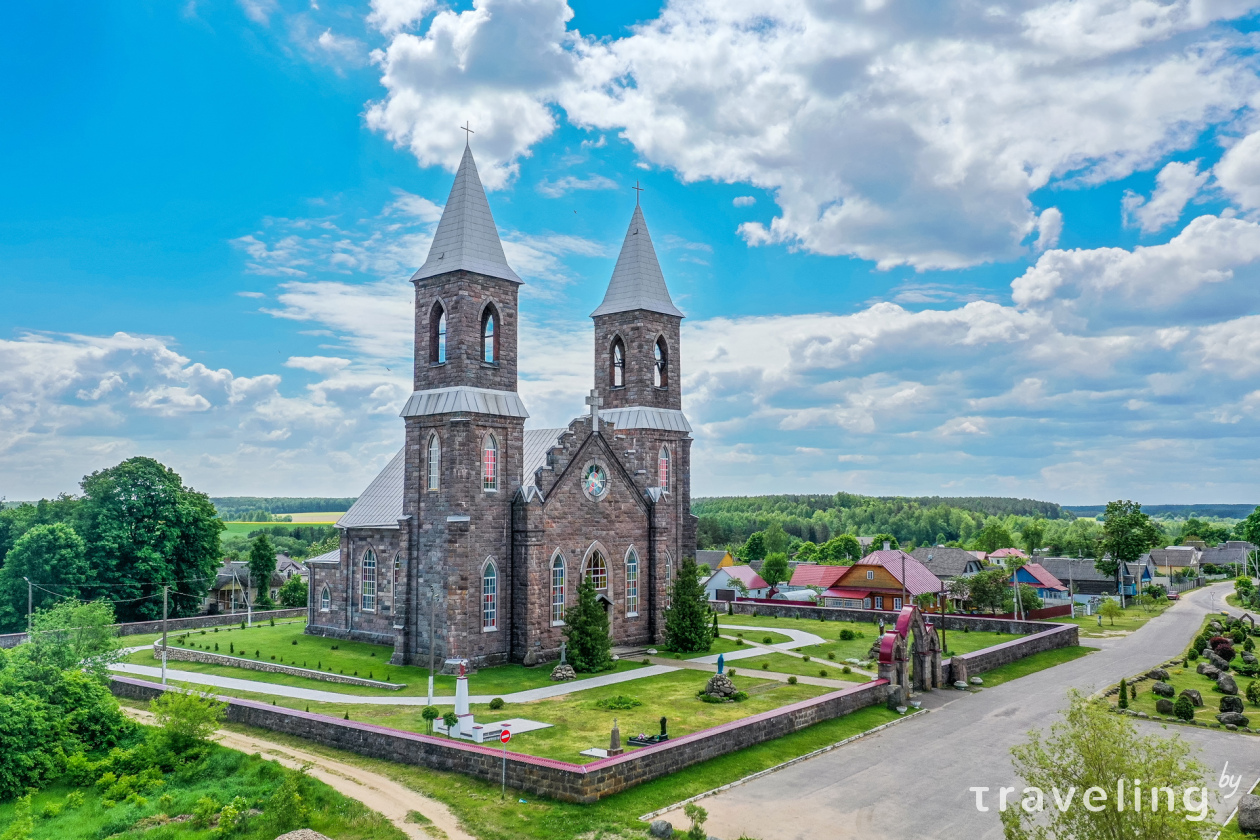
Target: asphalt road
{"x": 911, "y": 781}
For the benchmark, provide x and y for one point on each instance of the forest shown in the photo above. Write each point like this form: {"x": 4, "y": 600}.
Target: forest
{"x": 247, "y": 508}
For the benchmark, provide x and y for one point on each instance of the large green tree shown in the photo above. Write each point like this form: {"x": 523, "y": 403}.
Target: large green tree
{"x": 688, "y": 627}
{"x": 840, "y": 550}
{"x": 294, "y": 593}
{"x": 993, "y": 537}
{"x": 989, "y": 590}
{"x": 589, "y": 647}
{"x": 754, "y": 547}
{"x": 774, "y": 569}
{"x": 1128, "y": 533}
{"x": 262, "y": 565}
{"x": 144, "y": 529}
{"x": 54, "y": 558}
{"x": 1033, "y": 535}
{"x": 877, "y": 542}
{"x": 74, "y": 635}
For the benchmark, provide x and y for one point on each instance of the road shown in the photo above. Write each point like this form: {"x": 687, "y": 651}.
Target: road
{"x": 911, "y": 781}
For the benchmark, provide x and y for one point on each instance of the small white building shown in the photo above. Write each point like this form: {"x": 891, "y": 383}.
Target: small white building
{"x": 726, "y": 577}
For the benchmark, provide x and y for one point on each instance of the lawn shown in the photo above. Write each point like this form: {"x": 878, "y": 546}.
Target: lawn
{"x": 349, "y": 657}
{"x": 1133, "y": 618}
{"x": 721, "y": 645}
{"x": 1034, "y": 663}
{"x": 857, "y": 648}
{"x": 785, "y": 664}
{"x": 223, "y": 775}
{"x": 522, "y": 816}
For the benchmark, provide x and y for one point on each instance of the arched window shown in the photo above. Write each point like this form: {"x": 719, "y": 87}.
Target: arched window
{"x": 490, "y": 464}
{"x": 632, "y": 583}
{"x": 557, "y": 590}
{"x": 489, "y": 597}
{"x": 660, "y": 365}
{"x": 489, "y": 336}
{"x": 435, "y": 462}
{"x": 662, "y": 467}
{"x": 368, "y": 576}
{"x": 437, "y": 335}
{"x": 325, "y": 600}
{"x": 617, "y": 364}
{"x": 597, "y": 570}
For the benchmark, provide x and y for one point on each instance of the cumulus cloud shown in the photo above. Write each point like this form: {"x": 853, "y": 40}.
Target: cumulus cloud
{"x": 1175, "y": 185}
{"x": 743, "y": 201}
{"x": 390, "y": 16}
{"x": 569, "y": 183}
{"x": 1238, "y": 171}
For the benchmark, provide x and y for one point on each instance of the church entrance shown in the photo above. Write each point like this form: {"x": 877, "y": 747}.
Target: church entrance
{"x": 597, "y": 574}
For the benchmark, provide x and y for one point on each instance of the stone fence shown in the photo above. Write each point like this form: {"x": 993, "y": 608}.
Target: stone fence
{"x": 177, "y": 625}
{"x": 963, "y": 666}
{"x": 953, "y": 621}
{"x": 207, "y": 658}
{"x": 560, "y": 780}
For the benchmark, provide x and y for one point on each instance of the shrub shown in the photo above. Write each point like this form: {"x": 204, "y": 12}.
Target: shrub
{"x": 806, "y": 657}
{"x": 496, "y": 703}
{"x": 205, "y": 808}
{"x": 286, "y": 808}
{"x": 1183, "y": 708}
{"x": 791, "y": 680}
{"x": 1192, "y": 656}
{"x": 739, "y": 642}
{"x": 765, "y": 666}
{"x": 846, "y": 670}
{"x": 1123, "y": 703}
{"x": 74, "y": 799}
{"x": 50, "y": 810}
{"x": 822, "y": 672}
{"x": 847, "y": 635}
{"x": 450, "y": 719}
{"x": 1249, "y": 645}
{"x": 187, "y": 720}
{"x": 1217, "y": 641}
{"x": 295, "y": 642}
{"x": 831, "y": 655}
{"x": 767, "y": 640}
{"x": 1238, "y": 635}
{"x": 1226, "y": 652}
{"x": 1253, "y": 692}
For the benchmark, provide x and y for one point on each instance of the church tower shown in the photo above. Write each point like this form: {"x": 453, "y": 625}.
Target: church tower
{"x": 464, "y": 431}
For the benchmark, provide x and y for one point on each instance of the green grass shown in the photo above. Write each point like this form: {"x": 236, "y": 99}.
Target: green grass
{"x": 316, "y": 652}
{"x": 785, "y": 664}
{"x": 958, "y": 641}
{"x": 1034, "y": 663}
{"x": 1133, "y": 618}
{"x": 1231, "y": 831}
{"x": 479, "y": 809}
{"x": 223, "y": 775}
{"x": 721, "y": 645}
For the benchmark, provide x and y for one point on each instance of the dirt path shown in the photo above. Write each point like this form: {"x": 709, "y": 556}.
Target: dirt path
{"x": 381, "y": 794}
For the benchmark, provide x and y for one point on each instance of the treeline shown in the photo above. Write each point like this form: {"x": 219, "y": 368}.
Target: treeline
{"x": 244, "y": 508}
{"x": 298, "y": 541}
{"x": 729, "y": 521}
{"x": 1230, "y": 512}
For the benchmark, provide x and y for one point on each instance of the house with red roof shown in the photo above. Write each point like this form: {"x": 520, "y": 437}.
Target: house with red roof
{"x": 744, "y": 580}
{"x": 878, "y": 580}
{"x": 1002, "y": 553}
{"x": 1049, "y": 587}
{"x": 814, "y": 574}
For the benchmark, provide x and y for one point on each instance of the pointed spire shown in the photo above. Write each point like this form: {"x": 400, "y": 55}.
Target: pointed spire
{"x": 466, "y": 237}
{"x": 637, "y": 281}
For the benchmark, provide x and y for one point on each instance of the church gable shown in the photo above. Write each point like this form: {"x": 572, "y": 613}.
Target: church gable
{"x": 592, "y": 473}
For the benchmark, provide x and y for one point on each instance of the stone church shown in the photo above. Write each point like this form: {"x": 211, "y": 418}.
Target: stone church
{"x": 482, "y": 528}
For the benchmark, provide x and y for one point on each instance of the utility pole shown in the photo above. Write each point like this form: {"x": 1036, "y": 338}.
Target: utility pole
{"x": 432, "y": 639}
{"x": 30, "y": 599}
{"x": 165, "y": 590}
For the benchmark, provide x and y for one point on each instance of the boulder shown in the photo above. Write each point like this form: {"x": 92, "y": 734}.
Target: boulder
{"x": 663, "y": 829}
{"x": 1163, "y": 689}
{"x": 720, "y": 685}
{"x": 1164, "y": 706}
{"x": 1250, "y": 659}
{"x": 1231, "y": 703}
{"x": 1235, "y": 718}
{"x": 1202, "y": 666}
{"x": 1211, "y": 672}
{"x": 1157, "y": 674}
{"x": 1195, "y": 697}
{"x": 1218, "y": 661}
{"x": 563, "y": 672}
{"x": 1226, "y": 684}
{"x": 1249, "y": 814}
{"x": 1215, "y": 627}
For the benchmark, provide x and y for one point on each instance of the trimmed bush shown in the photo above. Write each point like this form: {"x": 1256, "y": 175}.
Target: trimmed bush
{"x": 1183, "y": 708}
{"x": 847, "y": 635}
{"x": 791, "y": 680}
{"x": 496, "y": 703}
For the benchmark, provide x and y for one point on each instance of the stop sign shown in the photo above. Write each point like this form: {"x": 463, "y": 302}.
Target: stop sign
{"x": 505, "y": 736}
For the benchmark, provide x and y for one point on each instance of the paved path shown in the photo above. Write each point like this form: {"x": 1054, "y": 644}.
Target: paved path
{"x": 912, "y": 780}
{"x": 318, "y": 696}
{"x": 799, "y": 638}
{"x": 381, "y": 794}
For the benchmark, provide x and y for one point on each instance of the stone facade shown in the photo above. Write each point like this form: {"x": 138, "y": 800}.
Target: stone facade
{"x": 459, "y": 531}
{"x": 176, "y": 654}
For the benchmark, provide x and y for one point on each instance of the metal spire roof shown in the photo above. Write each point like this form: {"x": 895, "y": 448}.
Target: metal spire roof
{"x": 637, "y": 281}
{"x": 466, "y": 237}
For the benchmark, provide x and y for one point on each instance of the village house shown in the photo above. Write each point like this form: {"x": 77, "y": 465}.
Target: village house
{"x": 741, "y": 580}
{"x": 1234, "y": 553}
{"x": 1049, "y": 588}
{"x": 1175, "y": 559}
{"x": 948, "y": 563}
{"x": 880, "y": 580}
{"x": 711, "y": 561}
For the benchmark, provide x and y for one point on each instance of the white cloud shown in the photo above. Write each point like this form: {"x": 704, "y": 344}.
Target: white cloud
{"x": 1049, "y": 228}
{"x": 390, "y": 16}
{"x": 259, "y": 11}
{"x": 341, "y": 46}
{"x": 744, "y": 201}
{"x": 1238, "y": 172}
{"x": 569, "y": 183}
{"x": 1175, "y": 185}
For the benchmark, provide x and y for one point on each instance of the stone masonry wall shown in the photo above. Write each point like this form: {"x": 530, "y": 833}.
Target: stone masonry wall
{"x": 977, "y": 623}
{"x": 539, "y": 776}
{"x": 966, "y": 665}
{"x": 174, "y": 625}
{"x": 639, "y": 331}
{"x": 207, "y": 658}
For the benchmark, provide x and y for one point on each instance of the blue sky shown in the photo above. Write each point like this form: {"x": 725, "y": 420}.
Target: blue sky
{"x": 923, "y": 247}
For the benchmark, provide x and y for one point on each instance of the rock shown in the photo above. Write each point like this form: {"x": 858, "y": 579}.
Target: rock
{"x": 1231, "y": 727}
{"x": 1231, "y": 703}
{"x": 1143, "y": 715}
{"x": 1215, "y": 627}
{"x": 563, "y": 672}
{"x": 1226, "y": 684}
{"x": 1203, "y": 666}
{"x": 661, "y": 828}
{"x": 1163, "y": 706}
{"x": 1250, "y": 659}
{"x": 960, "y": 685}
{"x": 302, "y": 834}
{"x": 1195, "y": 697}
{"x": 1157, "y": 674}
{"x": 720, "y": 685}
{"x": 1211, "y": 672}
{"x": 976, "y": 681}
{"x": 1163, "y": 689}
{"x": 1234, "y": 718}
{"x": 1217, "y": 661}
{"x": 1249, "y": 813}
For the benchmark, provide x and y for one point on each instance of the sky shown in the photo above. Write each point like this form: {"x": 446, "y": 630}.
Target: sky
{"x": 923, "y": 248}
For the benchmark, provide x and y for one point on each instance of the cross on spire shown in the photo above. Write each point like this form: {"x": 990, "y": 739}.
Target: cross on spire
{"x": 637, "y": 189}
{"x": 594, "y": 400}
{"x": 468, "y": 136}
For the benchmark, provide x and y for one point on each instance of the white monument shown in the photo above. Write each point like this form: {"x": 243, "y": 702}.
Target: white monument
{"x": 461, "y": 704}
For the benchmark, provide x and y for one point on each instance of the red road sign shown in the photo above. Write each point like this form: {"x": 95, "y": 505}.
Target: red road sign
{"x": 505, "y": 736}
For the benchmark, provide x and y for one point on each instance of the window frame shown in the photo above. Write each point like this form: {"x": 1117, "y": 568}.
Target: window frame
{"x": 489, "y": 597}
{"x": 325, "y": 599}
{"x": 557, "y": 589}
{"x": 588, "y": 570}
{"x": 617, "y": 363}
{"x": 660, "y": 363}
{"x": 438, "y": 326}
{"x": 491, "y": 326}
{"x": 632, "y": 583}
{"x": 664, "y": 467}
{"x": 433, "y": 481}
{"x": 490, "y": 464}
{"x": 365, "y": 597}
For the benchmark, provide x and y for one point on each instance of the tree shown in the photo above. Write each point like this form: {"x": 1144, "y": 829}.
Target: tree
{"x": 1123, "y": 702}
{"x": 586, "y": 630}
{"x": 1183, "y": 709}
{"x": 776, "y": 539}
{"x": 754, "y": 548}
{"x": 430, "y": 714}
{"x": 698, "y": 817}
{"x": 294, "y": 593}
{"x": 807, "y": 552}
{"x": 993, "y": 537}
{"x": 1110, "y": 610}
{"x": 187, "y": 719}
{"x": 1127, "y": 534}
{"x": 76, "y": 635}
{"x": 687, "y": 626}
{"x": 1028, "y": 598}
{"x": 840, "y": 550}
{"x": 143, "y": 529}
{"x": 262, "y": 565}
{"x": 451, "y": 720}
{"x": 990, "y": 589}
{"x": 1033, "y": 534}
{"x": 54, "y": 558}
{"x": 925, "y": 601}
{"x": 775, "y": 569}
{"x": 877, "y": 542}
{"x": 1249, "y": 528}
{"x": 1092, "y": 748}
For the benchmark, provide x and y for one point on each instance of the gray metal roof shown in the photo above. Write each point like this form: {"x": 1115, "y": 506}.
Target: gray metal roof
{"x": 466, "y": 237}
{"x": 1074, "y": 569}
{"x": 946, "y": 562}
{"x": 637, "y": 281}
{"x": 464, "y": 398}
{"x": 333, "y": 556}
{"x": 538, "y": 443}
{"x": 646, "y": 417}
{"x": 381, "y": 505}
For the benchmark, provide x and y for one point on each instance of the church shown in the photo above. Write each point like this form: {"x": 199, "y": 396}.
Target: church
{"x": 473, "y": 539}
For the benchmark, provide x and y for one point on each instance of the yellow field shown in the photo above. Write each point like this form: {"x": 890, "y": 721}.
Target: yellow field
{"x": 316, "y": 518}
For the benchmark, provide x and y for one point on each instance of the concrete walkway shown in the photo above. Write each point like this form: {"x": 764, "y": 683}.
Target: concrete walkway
{"x": 318, "y": 696}
{"x": 799, "y": 638}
